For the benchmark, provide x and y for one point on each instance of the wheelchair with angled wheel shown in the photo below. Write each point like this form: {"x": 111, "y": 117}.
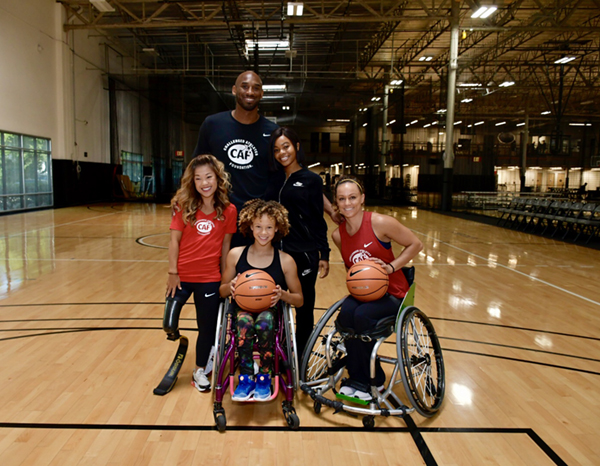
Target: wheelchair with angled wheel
{"x": 417, "y": 364}
{"x": 285, "y": 362}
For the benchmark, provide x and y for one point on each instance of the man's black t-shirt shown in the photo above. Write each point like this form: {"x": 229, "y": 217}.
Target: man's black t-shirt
{"x": 243, "y": 149}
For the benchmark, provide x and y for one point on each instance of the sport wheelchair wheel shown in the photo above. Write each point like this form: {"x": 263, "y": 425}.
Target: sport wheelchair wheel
{"x": 422, "y": 371}
{"x": 313, "y": 367}
{"x": 290, "y": 343}
{"x": 221, "y": 338}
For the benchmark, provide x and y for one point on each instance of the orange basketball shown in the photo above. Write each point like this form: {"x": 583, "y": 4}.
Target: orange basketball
{"x": 253, "y": 290}
{"x": 367, "y": 281}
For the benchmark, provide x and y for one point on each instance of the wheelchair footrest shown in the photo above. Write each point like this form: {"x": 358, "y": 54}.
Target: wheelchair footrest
{"x": 353, "y": 399}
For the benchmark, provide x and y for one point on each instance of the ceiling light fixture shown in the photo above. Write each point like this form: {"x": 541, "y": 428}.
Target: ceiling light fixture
{"x": 501, "y": 123}
{"x": 479, "y": 123}
{"x": 466, "y": 101}
{"x": 102, "y": 5}
{"x": 507, "y": 84}
{"x": 547, "y": 112}
{"x": 563, "y": 60}
{"x": 484, "y": 12}
{"x": 274, "y": 87}
{"x": 396, "y": 82}
{"x": 295, "y": 8}
{"x": 267, "y": 45}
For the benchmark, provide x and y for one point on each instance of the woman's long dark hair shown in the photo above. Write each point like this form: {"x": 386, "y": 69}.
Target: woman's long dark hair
{"x": 294, "y": 139}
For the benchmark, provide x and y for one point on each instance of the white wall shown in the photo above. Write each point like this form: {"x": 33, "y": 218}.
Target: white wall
{"x": 54, "y": 84}
{"x": 29, "y": 43}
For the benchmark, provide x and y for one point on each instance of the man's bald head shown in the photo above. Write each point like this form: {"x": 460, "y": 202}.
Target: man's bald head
{"x": 247, "y": 91}
{"x": 248, "y": 76}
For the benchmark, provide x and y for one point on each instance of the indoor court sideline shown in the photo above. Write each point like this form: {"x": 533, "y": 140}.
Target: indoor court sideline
{"x": 82, "y": 349}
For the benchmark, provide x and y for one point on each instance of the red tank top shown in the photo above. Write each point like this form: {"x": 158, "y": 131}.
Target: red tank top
{"x": 365, "y": 245}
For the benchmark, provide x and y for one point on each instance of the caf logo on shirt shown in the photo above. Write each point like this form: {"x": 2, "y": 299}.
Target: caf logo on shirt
{"x": 359, "y": 255}
{"x": 204, "y": 227}
{"x": 241, "y": 152}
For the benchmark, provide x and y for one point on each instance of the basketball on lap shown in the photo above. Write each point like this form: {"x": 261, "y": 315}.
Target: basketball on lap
{"x": 254, "y": 290}
{"x": 367, "y": 281}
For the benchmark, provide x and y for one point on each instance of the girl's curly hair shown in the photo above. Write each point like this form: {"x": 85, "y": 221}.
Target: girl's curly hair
{"x": 256, "y": 208}
{"x": 189, "y": 200}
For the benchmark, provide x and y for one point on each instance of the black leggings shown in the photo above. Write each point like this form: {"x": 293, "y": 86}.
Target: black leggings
{"x": 360, "y": 317}
{"x": 206, "y": 300}
{"x": 308, "y": 269}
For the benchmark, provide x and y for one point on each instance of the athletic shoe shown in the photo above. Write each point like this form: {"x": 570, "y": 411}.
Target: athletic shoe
{"x": 245, "y": 388}
{"x": 211, "y": 360}
{"x": 347, "y": 390}
{"x": 263, "y": 387}
{"x": 200, "y": 380}
{"x": 364, "y": 395}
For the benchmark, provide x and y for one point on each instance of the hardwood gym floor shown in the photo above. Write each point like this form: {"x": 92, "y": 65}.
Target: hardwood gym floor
{"x": 82, "y": 347}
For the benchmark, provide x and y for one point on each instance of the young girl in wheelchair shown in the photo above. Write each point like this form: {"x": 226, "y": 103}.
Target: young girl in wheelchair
{"x": 368, "y": 235}
{"x": 266, "y": 222}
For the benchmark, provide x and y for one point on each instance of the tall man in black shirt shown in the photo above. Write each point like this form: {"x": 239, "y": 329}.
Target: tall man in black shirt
{"x": 240, "y": 139}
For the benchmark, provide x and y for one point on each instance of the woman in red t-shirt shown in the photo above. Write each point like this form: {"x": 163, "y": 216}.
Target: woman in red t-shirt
{"x": 201, "y": 228}
{"x": 369, "y": 235}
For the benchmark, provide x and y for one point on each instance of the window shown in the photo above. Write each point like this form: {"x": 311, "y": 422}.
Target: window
{"x": 132, "y": 166}
{"x": 177, "y": 166}
{"x": 25, "y": 172}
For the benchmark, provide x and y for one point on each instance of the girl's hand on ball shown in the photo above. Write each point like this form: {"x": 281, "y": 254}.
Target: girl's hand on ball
{"x": 277, "y": 296}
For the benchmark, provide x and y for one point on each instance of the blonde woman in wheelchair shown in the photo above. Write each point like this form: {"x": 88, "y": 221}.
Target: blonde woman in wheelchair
{"x": 368, "y": 235}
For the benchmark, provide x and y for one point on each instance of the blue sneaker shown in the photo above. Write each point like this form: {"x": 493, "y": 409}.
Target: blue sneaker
{"x": 245, "y": 388}
{"x": 263, "y": 387}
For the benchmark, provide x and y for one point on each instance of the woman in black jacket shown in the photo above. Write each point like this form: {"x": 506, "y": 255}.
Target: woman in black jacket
{"x": 300, "y": 191}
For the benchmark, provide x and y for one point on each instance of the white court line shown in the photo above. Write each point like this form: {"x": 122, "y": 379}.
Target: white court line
{"x": 26, "y": 232}
{"x": 12, "y": 259}
{"x": 552, "y": 285}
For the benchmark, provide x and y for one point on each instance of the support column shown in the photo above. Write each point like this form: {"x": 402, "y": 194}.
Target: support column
{"x": 524, "y": 144}
{"x": 452, "y": 68}
{"x": 385, "y": 142}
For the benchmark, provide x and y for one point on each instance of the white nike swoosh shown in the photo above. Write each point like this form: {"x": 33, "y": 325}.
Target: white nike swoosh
{"x": 306, "y": 272}
{"x": 206, "y": 295}
{"x": 266, "y": 135}
{"x": 368, "y": 244}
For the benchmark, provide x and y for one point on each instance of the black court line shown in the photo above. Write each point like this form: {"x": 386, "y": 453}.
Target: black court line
{"x": 60, "y": 330}
{"x": 498, "y": 430}
{"x": 521, "y": 348}
{"x": 473, "y": 322}
{"x": 555, "y": 366}
{"x": 202, "y": 428}
{"x": 526, "y": 329}
{"x": 113, "y": 303}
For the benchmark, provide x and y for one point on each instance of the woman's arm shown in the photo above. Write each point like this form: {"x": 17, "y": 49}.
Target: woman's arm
{"x": 328, "y": 208}
{"x": 228, "y": 278}
{"x": 337, "y": 239}
{"x": 294, "y": 295}
{"x": 225, "y": 250}
{"x": 173, "y": 282}
{"x": 387, "y": 228}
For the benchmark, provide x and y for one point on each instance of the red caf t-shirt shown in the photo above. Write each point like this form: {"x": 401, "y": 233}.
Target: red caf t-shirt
{"x": 201, "y": 244}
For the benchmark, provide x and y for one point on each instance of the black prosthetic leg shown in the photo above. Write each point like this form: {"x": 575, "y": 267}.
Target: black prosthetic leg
{"x": 171, "y": 327}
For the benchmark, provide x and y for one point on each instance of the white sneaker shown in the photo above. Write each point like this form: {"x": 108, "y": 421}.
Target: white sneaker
{"x": 200, "y": 381}
{"x": 211, "y": 360}
{"x": 353, "y": 392}
{"x": 347, "y": 390}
